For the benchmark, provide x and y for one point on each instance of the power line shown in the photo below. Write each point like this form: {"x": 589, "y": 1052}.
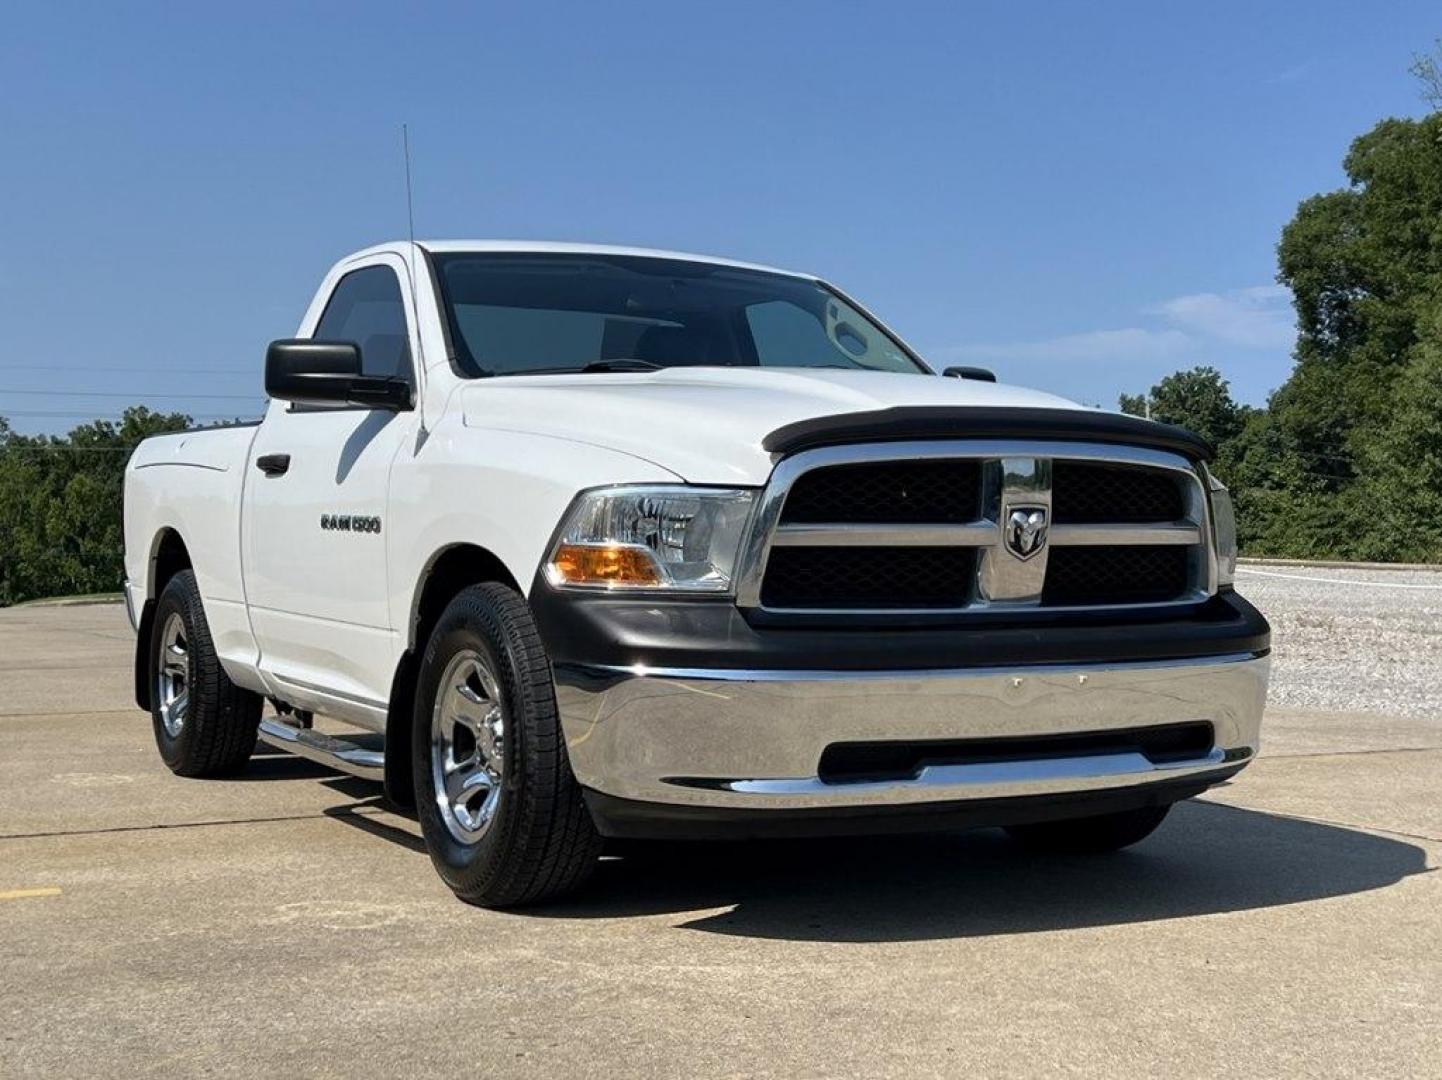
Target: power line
{"x": 52, "y": 449}
{"x": 136, "y": 394}
{"x": 55, "y": 448}
{"x": 130, "y": 370}
{"x": 92, "y": 416}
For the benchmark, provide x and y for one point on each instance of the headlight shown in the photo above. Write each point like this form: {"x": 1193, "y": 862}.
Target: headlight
{"x": 681, "y": 538}
{"x": 1224, "y": 529}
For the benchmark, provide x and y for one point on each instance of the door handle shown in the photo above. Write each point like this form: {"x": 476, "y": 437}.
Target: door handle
{"x": 273, "y": 464}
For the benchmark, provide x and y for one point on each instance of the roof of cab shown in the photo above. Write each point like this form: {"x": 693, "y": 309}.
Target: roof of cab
{"x": 549, "y": 247}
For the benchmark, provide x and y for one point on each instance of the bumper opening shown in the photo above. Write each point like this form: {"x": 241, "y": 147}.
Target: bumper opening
{"x": 854, "y": 762}
{"x": 633, "y": 820}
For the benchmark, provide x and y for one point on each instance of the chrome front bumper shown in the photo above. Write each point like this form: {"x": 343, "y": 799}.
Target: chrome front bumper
{"x": 739, "y": 740}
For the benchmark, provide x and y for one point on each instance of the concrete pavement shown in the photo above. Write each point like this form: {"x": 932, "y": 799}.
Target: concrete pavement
{"x": 287, "y": 924}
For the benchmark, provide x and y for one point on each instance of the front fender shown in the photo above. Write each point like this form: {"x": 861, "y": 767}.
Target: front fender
{"x": 502, "y": 491}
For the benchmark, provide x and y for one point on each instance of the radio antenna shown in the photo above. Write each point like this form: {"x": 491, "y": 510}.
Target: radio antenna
{"x": 410, "y": 205}
{"x": 411, "y": 258}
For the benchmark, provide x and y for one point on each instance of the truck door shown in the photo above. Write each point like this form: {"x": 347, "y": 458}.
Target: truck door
{"x": 314, "y": 526}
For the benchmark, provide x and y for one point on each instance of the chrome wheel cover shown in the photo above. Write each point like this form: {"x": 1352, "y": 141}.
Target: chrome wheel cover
{"x": 172, "y": 675}
{"x": 468, "y": 759}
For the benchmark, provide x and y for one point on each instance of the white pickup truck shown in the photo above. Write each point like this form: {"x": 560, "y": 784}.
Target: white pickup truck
{"x": 607, "y": 542}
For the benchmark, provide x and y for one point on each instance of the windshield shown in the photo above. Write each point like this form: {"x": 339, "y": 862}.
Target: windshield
{"x": 513, "y": 314}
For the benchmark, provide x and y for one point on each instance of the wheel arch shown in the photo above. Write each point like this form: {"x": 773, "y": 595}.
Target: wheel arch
{"x": 168, "y": 557}
{"x": 450, "y": 569}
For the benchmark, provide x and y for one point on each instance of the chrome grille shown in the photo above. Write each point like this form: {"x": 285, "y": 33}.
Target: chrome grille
{"x": 944, "y": 526}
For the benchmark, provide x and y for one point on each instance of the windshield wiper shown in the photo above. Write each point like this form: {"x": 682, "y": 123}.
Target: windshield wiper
{"x": 621, "y": 363}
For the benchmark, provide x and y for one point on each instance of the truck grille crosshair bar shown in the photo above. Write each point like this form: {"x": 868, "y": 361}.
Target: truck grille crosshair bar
{"x": 958, "y": 526}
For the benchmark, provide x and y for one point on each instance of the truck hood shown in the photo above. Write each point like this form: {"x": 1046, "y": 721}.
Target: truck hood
{"x": 706, "y": 424}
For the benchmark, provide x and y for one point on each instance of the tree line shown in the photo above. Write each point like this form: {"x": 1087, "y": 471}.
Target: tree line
{"x": 60, "y": 505}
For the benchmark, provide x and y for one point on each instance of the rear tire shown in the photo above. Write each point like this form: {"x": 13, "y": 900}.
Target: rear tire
{"x": 204, "y": 724}
{"x": 1090, "y": 835}
{"x": 501, "y": 812}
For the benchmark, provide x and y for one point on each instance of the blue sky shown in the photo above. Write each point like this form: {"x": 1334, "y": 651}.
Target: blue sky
{"x": 1083, "y": 196}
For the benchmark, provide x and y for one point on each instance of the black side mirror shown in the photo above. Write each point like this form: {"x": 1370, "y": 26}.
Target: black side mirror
{"x": 980, "y": 374}
{"x": 329, "y": 373}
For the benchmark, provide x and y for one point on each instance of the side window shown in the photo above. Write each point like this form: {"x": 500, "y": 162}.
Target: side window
{"x": 366, "y": 307}
{"x": 789, "y": 336}
{"x": 786, "y": 335}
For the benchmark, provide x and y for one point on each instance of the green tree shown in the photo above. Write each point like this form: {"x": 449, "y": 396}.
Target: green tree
{"x": 1199, "y": 399}
{"x": 1428, "y": 69}
{"x": 1402, "y": 489}
{"x": 60, "y": 505}
{"x": 1365, "y": 268}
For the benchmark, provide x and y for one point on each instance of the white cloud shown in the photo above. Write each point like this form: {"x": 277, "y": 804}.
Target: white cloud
{"x": 1256, "y": 318}
{"x": 1127, "y": 343}
{"x": 1293, "y": 73}
{"x": 1247, "y": 333}
{"x": 1259, "y": 317}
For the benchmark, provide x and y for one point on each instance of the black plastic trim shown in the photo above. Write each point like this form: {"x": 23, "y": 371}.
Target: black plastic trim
{"x": 630, "y": 819}
{"x": 143, "y": 633}
{"x": 904, "y": 759}
{"x": 984, "y": 422}
{"x": 273, "y": 464}
{"x": 587, "y": 629}
{"x": 309, "y": 372}
{"x": 976, "y": 374}
{"x": 440, "y": 305}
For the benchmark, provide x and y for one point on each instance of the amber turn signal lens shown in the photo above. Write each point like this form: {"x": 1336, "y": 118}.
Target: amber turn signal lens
{"x": 604, "y": 564}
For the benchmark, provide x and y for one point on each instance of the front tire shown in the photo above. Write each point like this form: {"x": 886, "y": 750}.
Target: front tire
{"x": 501, "y": 812}
{"x": 204, "y": 724}
{"x": 1090, "y": 835}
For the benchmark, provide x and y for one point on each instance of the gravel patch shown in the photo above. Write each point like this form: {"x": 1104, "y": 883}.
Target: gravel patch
{"x": 1350, "y": 639}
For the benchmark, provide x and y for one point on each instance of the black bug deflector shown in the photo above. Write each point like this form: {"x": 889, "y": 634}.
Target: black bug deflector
{"x": 985, "y": 422}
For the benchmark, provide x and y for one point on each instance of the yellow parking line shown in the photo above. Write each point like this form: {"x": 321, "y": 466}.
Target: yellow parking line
{"x": 25, "y": 894}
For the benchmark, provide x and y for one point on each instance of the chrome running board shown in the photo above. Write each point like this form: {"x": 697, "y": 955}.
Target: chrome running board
{"x": 323, "y": 749}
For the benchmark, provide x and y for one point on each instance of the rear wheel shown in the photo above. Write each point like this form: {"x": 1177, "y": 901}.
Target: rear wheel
{"x": 204, "y": 724}
{"x": 501, "y": 813}
{"x": 1090, "y": 835}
